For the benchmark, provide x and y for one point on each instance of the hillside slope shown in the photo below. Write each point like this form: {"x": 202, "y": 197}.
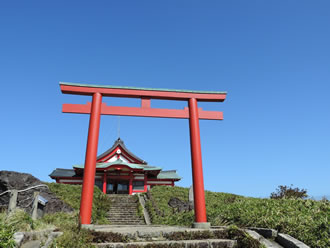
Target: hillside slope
{"x": 306, "y": 220}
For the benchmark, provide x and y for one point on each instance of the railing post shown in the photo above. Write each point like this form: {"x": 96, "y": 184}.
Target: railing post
{"x": 34, "y": 214}
{"x": 12, "y": 200}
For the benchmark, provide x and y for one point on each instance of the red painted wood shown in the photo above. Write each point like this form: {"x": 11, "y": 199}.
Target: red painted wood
{"x": 118, "y": 177}
{"x": 130, "y": 187}
{"x": 123, "y": 153}
{"x": 145, "y": 183}
{"x": 196, "y": 162}
{"x": 139, "y": 191}
{"x": 104, "y": 183}
{"x": 157, "y": 180}
{"x": 131, "y": 93}
{"x": 143, "y": 112}
{"x": 145, "y": 103}
{"x": 90, "y": 161}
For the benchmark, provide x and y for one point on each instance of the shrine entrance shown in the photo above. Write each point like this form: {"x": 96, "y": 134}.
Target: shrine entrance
{"x": 97, "y": 108}
{"x": 117, "y": 186}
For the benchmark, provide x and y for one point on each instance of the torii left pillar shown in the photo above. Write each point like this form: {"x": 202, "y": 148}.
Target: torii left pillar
{"x": 90, "y": 160}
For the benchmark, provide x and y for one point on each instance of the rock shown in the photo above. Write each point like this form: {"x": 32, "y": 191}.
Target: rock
{"x": 32, "y": 244}
{"x": 14, "y": 180}
{"x": 179, "y": 205}
{"x": 18, "y": 238}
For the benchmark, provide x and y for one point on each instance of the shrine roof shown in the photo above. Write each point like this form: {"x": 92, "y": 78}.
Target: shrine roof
{"x": 58, "y": 172}
{"x": 121, "y": 143}
{"x": 139, "y": 88}
{"x": 170, "y": 174}
{"x": 121, "y": 162}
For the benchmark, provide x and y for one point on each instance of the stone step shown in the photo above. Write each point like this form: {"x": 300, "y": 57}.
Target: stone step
{"x": 122, "y": 203}
{"x": 123, "y": 207}
{"x": 123, "y": 217}
{"x": 219, "y": 243}
{"x": 127, "y": 220}
{"x": 123, "y": 214}
{"x": 127, "y": 223}
{"x": 119, "y": 218}
{"x": 120, "y": 213}
{"x": 124, "y": 210}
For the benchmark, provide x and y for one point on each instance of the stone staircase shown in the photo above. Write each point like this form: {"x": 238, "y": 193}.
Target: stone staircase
{"x": 124, "y": 210}
{"x": 153, "y": 236}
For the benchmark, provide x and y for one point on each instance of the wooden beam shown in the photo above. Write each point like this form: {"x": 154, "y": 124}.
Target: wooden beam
{"x": 139, "y": 93}
{"x": 144, "y": 111}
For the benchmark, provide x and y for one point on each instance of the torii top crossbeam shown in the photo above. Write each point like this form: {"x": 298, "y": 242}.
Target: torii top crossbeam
{"x": 97, "y": 108}
{"x": 136, "y": 92}
{"x": 145, "y": 94}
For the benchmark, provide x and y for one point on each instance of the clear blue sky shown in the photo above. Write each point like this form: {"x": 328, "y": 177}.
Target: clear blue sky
{"x": 272, "y": 57}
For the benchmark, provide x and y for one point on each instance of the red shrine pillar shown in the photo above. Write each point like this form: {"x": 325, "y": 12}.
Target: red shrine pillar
{"x": 104, "y": 188}
{"x": 130, "y": 186}
{"x": 197, "y": 169}
{"x": 90, "y": 160}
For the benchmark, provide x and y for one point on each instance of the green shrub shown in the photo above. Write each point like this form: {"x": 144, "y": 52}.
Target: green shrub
{"x": 306, "y": 220}
{"x": 289, "y": 192}
{"x": 6, "y": 233}
{"x": 20, "y": 220}
{"x": 71, "y": 195}
{"x": 73, "y": 237}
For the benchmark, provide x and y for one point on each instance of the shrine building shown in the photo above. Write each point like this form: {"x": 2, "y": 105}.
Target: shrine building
{"x": 119, "y": 171}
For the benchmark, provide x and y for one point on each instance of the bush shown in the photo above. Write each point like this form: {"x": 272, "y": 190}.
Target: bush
{"x": 71, "y": 195}
{"x": 6, "y": 233}
{"x": 73, "y": 237}
{"x": 306, "y": 220}
{"x": 289, "y": 192}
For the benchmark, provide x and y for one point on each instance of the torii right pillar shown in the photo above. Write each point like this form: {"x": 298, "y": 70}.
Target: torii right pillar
{"x": 197, "y": 168}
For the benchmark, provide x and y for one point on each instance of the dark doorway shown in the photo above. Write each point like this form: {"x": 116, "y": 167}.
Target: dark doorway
{"x": 117, "y": 186}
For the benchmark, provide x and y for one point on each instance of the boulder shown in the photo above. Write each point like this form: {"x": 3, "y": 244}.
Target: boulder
{"x": 10, "y": 180}
{"x": 179, "y": 205}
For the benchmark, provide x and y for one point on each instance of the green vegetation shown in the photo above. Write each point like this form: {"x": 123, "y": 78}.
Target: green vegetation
{"x": 232, "y": 232}
{"x": 73, "y": 236}
{"x": 71, "y": 194}
{"x": 306, "y": 220}
{"x": 6, "y": 233}
{"x": 283, "y": 192}
{"x": 68, "y": 223}
{"x": 17, "y": 220}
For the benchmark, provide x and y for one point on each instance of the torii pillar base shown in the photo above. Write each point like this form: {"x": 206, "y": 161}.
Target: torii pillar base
{"x": 201, "y": 225}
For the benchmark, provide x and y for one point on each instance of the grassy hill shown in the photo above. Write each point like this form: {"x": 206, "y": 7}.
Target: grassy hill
{"x": 306, "y": 220}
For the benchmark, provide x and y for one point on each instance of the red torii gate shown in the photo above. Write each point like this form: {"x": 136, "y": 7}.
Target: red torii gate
{"x": 96, "y": 108}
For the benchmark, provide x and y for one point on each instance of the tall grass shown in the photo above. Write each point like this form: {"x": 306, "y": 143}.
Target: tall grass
{"x": 306, "y": 220}
{"x": 71, "y": 195}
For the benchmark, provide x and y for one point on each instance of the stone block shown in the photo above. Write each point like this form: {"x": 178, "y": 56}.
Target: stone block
{"x": 266, "y": 232}
{"x": 202, "y": 225}
{"x": 289, "y": 242}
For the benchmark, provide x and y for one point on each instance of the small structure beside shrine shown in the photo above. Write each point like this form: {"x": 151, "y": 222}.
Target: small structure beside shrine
{"x": 119, "y": 171}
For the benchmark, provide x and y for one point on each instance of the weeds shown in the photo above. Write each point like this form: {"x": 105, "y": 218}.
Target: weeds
{"x": 306, "y": 220}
